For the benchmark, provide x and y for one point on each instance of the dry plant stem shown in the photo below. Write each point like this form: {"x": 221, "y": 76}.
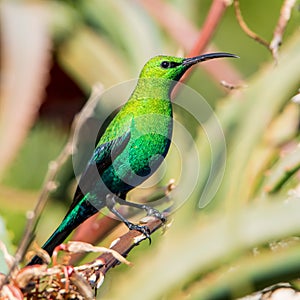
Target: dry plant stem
{"x": 245, "y": 27}
{"x": 82, "y": 247}
{"x": 91, "y": 230}
{"x": 123, "y": 245}
{"x": 49, "y": 183}
{"x": 285, "y": 14}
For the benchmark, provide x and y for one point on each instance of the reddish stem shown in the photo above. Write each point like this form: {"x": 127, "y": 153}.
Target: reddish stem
{"x": 186, "y": 34}
{"x": 92, "y": 231}
{"x": 211, "y": 23}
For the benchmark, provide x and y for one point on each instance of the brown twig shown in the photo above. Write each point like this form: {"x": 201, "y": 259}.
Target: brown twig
{"x": 273, "y": 46}
{"x": 245, "y": 27}
{"x": 285, "y": 14}
{"x": 49, "y": 182}
{"x": 122, "y": 245}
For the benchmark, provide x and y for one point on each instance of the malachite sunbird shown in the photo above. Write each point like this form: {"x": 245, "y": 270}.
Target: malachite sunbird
{"x": 131, "y": 149}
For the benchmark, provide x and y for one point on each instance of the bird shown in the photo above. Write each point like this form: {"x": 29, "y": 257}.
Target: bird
{"x": 130, "y": 150}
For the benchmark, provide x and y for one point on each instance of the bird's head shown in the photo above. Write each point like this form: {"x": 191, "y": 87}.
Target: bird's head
{"x": 172, "y": 68}
{"x": 160, "y": 74}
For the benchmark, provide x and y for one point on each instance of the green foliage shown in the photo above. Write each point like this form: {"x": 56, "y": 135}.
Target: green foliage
{"x": 42, "y": 145}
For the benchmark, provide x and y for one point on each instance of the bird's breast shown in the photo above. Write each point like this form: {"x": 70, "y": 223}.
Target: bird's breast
{"x": 150, "y": 138}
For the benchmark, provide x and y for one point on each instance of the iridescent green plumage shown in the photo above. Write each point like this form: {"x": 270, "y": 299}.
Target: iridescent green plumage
{"x": 131, "y": 148}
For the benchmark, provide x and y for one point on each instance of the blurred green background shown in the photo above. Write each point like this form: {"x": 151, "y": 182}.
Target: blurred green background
{"x": 53, "y": 52}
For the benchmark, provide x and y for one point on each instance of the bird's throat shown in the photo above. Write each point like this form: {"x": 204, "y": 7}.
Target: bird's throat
{"x": 153, "y": 88}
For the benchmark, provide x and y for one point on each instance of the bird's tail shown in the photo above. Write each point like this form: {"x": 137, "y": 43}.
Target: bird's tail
{"x": 74, "y": 218}
{"x": 55, "y": 239}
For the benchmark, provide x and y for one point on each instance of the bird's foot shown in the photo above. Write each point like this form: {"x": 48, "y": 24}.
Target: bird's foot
{"x": 154, "y": 213}
{"x": 143, "y": 229}
{"x": 111, "y": 201}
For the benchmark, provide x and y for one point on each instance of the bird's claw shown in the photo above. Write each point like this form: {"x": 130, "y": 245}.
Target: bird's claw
{"x": 155, "y": 213}
{"x": 143, "y": 229}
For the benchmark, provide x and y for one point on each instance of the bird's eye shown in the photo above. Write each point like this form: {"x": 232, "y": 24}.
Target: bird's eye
{"x": 165, "y": 64}
{"x": 169, "y": 64}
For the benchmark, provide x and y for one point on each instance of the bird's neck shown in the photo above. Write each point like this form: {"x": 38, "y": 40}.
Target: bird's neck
{"x": 153, "y": 88}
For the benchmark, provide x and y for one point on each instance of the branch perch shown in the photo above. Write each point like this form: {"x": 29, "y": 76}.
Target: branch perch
{"x": 123, "y": 245}
{"x": 65, "y": 281}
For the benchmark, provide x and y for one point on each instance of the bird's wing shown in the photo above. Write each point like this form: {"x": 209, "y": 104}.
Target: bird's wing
{"x": 102, "y": 158}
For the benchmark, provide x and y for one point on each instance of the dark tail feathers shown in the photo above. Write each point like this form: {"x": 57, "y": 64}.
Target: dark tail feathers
{"x": 55, "y": 239}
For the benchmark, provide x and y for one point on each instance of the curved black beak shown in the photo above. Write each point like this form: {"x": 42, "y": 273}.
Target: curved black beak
{"x": 194, "y": 60}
